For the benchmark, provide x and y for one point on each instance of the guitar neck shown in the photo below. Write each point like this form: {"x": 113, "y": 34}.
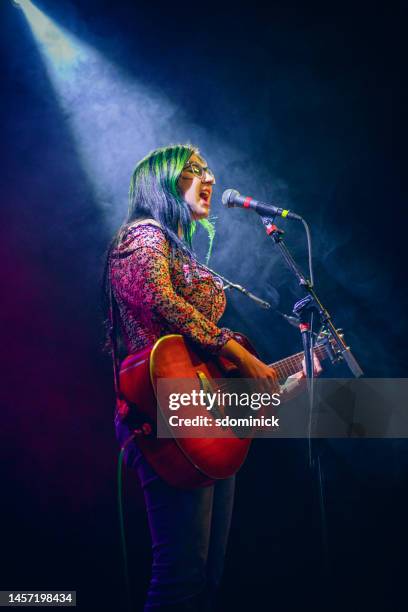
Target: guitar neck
{"x": 290, "y": 365}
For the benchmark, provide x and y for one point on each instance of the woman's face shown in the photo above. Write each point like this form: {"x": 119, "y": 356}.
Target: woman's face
{"x": 195, "y": 190}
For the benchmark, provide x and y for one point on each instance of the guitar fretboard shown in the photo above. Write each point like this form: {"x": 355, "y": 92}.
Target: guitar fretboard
{"x": 290, "y": 365}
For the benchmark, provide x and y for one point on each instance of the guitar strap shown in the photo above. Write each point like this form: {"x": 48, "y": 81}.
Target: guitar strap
{"x": 139, "y": 426}
{"x": 113, "y": 336}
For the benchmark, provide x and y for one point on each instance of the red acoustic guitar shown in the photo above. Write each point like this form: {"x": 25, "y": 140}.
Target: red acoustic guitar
{"x": 190, "y": 462}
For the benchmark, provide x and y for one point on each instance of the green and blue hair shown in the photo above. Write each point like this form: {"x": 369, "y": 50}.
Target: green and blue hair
{"x": 154, "y": 194}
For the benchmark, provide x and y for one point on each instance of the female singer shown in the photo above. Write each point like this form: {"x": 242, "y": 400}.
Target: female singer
{"x": 159, "y": 288}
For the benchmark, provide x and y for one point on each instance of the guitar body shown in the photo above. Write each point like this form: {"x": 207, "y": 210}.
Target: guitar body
{"x": 192, "y": 462}
{"x": 181, "y": 462}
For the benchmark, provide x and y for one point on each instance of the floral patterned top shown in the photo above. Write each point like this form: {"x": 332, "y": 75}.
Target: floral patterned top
{"x": 158, "y": 294}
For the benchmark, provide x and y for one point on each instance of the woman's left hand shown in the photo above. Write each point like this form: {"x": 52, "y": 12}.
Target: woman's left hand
{"x": 317, "y": 368}
{"x": 296, "y": 383}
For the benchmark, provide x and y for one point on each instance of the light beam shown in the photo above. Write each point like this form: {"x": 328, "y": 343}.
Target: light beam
{"x": 114, "y": 120}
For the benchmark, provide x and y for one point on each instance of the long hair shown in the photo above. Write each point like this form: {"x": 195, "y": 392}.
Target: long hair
{"x": 154, "y": 194}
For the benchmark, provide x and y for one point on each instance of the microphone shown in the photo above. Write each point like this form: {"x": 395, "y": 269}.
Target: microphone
{"x": 231, "y": 198}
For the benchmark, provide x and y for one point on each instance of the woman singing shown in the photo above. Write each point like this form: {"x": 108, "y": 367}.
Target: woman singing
{"x": 159, "y": 288}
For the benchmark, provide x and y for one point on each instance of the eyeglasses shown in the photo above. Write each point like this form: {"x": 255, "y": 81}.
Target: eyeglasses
{"x": 202, "y": 172}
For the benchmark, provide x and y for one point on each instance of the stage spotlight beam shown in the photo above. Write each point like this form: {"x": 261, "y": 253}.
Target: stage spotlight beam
{"x": 113, "y": 119}
{"x": 55, "y": 44}
{"x": 22, "y": 3}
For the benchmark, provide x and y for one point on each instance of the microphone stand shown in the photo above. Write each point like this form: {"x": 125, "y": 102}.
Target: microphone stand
{"x": 313, "y": 304}
{"x": 305, "y": 310}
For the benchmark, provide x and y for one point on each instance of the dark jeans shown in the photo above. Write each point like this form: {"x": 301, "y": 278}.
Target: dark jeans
{"x": 189, "y": 531}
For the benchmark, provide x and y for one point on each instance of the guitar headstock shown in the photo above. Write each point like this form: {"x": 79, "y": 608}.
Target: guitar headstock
{"x": 326, "y": 339}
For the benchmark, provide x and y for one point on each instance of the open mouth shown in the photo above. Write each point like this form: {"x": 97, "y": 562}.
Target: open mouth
{"x": 204, "y": 195}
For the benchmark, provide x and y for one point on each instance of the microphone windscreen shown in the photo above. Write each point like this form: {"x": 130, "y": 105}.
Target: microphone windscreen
{"x": 227, "y": 197}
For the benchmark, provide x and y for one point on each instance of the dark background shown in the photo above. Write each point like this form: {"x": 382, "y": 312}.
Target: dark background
{"x": 301, "y": 103}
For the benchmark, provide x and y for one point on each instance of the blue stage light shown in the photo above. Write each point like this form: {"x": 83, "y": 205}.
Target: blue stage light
{"x": 113, "y": 117}
{"x": 53, "y": 41}
{"x": 22, "y": 3}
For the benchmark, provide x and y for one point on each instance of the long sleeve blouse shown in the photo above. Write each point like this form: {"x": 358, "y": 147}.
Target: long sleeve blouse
{"x": 158, "y": 293}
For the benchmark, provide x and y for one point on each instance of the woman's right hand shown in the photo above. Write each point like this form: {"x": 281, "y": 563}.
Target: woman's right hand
{"x": 250, "y": 366}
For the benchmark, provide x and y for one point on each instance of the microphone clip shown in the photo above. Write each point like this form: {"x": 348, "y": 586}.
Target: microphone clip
{"x": 272, "y": 229}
